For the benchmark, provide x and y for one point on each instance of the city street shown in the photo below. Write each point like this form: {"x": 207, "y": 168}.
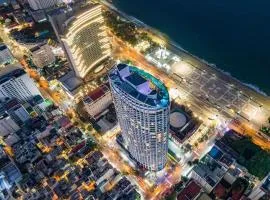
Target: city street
{"x": 119, "y": 159}
{"x": 217, "y": 103}
{"x": 17, "y": 50}
{"x": 218, "y": 94}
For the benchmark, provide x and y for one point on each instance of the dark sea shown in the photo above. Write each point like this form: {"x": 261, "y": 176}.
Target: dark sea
{"x": 233, "y": 34}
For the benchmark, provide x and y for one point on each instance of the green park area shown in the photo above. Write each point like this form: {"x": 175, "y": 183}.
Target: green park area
{"x": 127, "y": 31}
{"x": 251, "y": 156}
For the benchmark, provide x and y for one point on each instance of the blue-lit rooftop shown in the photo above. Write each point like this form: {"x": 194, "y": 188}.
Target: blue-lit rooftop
{"x": 140, "y": 85}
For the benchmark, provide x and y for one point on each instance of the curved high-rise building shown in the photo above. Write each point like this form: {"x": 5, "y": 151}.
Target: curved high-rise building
{"x": 142, "y": 106}
{"x": 85, "y": 40}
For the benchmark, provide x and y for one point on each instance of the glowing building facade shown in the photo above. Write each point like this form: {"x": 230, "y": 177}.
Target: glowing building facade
{"x": 142, "y": 106}
{"x": 85, "y": 41}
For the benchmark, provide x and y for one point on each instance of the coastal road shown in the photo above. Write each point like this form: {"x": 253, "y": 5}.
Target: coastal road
{"x": 210, "y": 84}
{"x": 114, "y": 154}
{"x": 193, "y": 60}
{"x": 125, "y": 52}
{"x": 229, "y": 98}
{"x": 204, "y": 107}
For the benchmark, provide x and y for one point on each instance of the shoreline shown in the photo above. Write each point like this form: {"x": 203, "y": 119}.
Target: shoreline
{"x": 250, "y": 89}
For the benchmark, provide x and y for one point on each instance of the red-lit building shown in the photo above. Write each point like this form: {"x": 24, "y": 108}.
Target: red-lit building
{"x": 190, "y": 192}
{"x": 97, "y": 101}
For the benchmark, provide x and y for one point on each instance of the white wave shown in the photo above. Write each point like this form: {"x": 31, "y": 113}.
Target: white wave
{"x": 137, "y": 21}
{"x": 256, "y": 88}
{"x": 175, "y": 44}
{"x": 220, "y": 70}
{"x": 227, "y": 73}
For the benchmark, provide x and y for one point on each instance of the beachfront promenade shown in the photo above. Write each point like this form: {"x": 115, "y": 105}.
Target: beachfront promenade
{"x": 208, "y": 87}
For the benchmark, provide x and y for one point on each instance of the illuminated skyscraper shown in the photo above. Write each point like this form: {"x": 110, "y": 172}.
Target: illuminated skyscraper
{"x": 142, "y": 106}
{"x": 85, "y": 41}
{"x": 42, "y": 55}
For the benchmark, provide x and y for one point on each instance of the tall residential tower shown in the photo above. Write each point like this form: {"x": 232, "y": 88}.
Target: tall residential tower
{"x": 142, "y": 106}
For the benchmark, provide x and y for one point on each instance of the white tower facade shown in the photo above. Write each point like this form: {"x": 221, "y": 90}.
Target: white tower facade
{"x": 142, "y": 106}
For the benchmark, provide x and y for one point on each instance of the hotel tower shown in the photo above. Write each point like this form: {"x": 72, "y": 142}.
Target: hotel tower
{"x": 82, "y": 32}
{"x": 142, "y": 106}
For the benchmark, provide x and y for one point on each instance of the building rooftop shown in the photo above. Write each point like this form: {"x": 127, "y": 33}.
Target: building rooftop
{"x": 122, "y": 190}
{"x": 121, "y": 66}
{"x": 204, "y": 196}
{"x": 12, "y": 172}
{"x": 178, "y": 119}
{"x": 83, "y": 8}
{"x": 36, "y": 100}
{"x": 10, "y": 103}
{"x": 191, "y": 191}
{"x": 220, "y": 156}
{"x": 64, "y": 122}
{"x": 25, "y": 152}
{"x": 37, "y": 47}
{"x": 70, "y": 81}
{"x": 96, "y": 94}
{"x": 140, "y": 85}
{"x": 6, "y": 75}
{"x": 210, "y": 170}
{"x": 136, "y": 79}
{"x": 4, "y": 160}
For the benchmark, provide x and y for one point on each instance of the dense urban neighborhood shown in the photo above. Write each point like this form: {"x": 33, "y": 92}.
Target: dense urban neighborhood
{"x": 96, "y": 105}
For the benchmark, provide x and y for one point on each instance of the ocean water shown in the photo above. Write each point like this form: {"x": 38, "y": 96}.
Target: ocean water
{"x": 2, "y": 1}
{"x": 235, "y": 35}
